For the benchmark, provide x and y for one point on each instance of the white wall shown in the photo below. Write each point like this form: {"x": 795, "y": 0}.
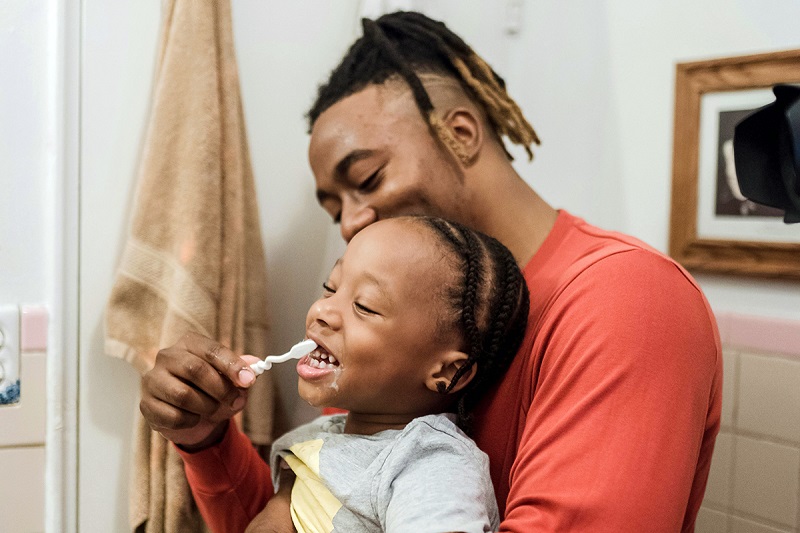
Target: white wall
{"x": 118, "y": 58}
{"x": 24, "y": 155}
{"x": 595, "y": 78}
{"x": 27, "y": 244}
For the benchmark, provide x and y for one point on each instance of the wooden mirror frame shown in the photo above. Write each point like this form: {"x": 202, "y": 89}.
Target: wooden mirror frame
{"x": 692, "y": 80}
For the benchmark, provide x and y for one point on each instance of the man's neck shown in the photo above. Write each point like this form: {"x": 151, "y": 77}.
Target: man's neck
{"x": 508, "y": 209}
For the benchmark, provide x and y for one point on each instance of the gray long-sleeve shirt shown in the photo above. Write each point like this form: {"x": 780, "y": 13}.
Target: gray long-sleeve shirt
{"x": 427, "y": 477}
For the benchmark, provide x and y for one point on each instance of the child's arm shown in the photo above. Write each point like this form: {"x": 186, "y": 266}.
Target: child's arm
{"x": 276, "y": 516}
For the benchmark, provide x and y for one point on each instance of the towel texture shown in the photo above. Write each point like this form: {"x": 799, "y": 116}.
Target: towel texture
{"x": 194, "y": 258}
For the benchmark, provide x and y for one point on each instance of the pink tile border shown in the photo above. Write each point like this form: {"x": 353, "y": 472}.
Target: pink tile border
{"x": 33, "y": 328}
{"x": 760, "y": 334}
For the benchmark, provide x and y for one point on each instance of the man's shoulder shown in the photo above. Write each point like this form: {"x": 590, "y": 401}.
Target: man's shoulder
{"x": 575, "y": 248}
{"x": 574, "y": 236}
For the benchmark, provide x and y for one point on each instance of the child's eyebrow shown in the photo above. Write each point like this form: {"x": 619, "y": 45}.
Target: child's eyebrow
{"x": 374, "y": 280}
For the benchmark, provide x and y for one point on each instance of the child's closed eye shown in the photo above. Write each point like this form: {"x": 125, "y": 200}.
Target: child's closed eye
{"x": 364, "y": 309}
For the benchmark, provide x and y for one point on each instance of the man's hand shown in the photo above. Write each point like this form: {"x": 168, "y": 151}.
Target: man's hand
{"x": 195, "y": 387}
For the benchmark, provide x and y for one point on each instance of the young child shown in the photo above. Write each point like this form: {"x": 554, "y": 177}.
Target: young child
{"x": 417, "y": 319}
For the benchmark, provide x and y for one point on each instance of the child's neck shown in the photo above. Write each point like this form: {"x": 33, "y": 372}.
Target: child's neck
{"x": 369, "y": 424}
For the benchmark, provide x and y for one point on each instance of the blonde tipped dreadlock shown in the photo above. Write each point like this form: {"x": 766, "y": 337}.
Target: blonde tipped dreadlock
{"x": 504, "y": 113}
{"x": 405, "y": 44}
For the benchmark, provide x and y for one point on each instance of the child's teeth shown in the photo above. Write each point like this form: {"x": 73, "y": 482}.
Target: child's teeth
{"x": 320, "y": 359}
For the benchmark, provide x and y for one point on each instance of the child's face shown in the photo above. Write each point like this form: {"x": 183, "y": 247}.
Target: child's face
{"x": 377, "y": 318}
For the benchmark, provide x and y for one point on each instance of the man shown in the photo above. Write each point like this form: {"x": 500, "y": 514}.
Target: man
{"x": 607, "y": 418}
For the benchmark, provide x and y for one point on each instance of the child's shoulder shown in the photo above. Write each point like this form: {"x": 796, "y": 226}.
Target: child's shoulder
{"x": 444, "y": 423}
{"x": 437, "y": 433}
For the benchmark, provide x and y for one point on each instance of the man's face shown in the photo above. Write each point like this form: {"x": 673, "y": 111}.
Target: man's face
{"x": 374, "y": 157}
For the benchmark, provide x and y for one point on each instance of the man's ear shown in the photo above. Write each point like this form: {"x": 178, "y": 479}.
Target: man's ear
{"x": 442, "y": 372}
{"x": 466, "y": 130}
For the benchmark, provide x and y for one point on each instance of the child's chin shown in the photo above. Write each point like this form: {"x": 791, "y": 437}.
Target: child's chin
{"x": 312, "y": 395}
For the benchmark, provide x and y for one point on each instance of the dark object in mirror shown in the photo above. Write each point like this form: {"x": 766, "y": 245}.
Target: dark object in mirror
{"x": 766, "y": 148}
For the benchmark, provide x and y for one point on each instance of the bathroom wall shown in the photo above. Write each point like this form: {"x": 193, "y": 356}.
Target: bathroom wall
{"x": 27, "y": 242}
{"x": 595, "y": 78}
{"x": 754, "y": 484}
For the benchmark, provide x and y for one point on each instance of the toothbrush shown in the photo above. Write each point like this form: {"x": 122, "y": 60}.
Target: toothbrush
{"x": 296, "y": 352}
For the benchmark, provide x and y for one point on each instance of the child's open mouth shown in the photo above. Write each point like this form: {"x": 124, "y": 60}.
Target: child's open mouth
{"x": 319, "y": 358}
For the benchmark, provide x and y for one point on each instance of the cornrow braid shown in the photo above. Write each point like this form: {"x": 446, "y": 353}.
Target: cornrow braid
{"x": 491, "y": 302}
{"x": 409, "y": 43}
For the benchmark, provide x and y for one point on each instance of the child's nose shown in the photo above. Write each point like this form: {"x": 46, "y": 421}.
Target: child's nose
{"x": 326, "y": 314}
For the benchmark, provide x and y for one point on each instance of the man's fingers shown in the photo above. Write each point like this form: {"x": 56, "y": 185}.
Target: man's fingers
{"x": 161, "y": 415}
{"x": 221, "y": 358}
{"x": 177, "y": 368}
{"x": 250, "y": 359}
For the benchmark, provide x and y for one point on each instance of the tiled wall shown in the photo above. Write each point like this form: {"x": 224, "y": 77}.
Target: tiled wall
{"x": 754, "y": 485}
{"x": 22, "y": 431}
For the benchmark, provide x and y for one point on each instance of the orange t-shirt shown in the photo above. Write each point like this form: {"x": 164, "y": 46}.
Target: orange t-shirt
{"x": 606, "y": 419}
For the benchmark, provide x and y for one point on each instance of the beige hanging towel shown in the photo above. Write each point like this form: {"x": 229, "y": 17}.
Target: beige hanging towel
{"x": 194, "y": 258}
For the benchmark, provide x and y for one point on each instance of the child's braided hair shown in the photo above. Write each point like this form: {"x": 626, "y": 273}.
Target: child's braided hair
{"x": 406, "y": 44}
{"x": 490, "y": 308}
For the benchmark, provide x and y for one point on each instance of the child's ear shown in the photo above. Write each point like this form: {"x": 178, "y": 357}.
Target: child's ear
{"x": 442, "y": 372}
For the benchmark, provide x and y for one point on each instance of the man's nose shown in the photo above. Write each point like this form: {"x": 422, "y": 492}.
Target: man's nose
{"x": 356, "y": 217}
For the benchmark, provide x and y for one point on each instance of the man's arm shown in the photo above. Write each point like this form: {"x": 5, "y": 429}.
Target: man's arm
{"x": 189, "y": 396}
{"x": 230, "y": 482}
{"x": 619, "y": 435}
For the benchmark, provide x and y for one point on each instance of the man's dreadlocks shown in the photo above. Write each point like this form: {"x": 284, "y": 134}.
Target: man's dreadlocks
{"x": 406, "y": 44}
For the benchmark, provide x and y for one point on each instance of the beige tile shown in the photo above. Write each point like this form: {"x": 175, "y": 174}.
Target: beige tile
{"x": 719, "y": 478}
{"x": 728, "y": 386}
{"x": 24, "y": 423}
{"x": 22, "y": 489}
{"x": 766, "y": 480}
{"x": 740, "y": 525}
{"x": 769, "y": 396}
{"x": 711, "y": 521}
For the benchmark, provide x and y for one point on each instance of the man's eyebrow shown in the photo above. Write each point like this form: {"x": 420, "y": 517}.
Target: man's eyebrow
{"x": 342, "y": 168}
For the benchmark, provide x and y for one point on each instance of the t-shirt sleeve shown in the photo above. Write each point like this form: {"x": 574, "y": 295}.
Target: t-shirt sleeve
{"x": 435, "y": 483}
{"x": 627, "y": 400}
{"x": 230, "y": 482}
